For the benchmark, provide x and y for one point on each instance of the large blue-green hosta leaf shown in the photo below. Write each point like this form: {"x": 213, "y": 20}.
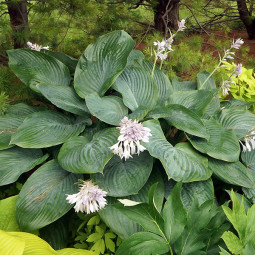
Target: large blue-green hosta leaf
{"x": 222, "y": 144}
{"x": 109, "y": 109}
{"x": 11, "y": 121}
{"x": 15, "y": 161}
{"x": 33, "y": 67}
{"x": 42, "y": 199}
{"x": 234, "y": 173}
{"x": 123, "y": 178}
{"x": 240, "y": 121}
{"x": 182, "y": 162}
{"x": 162, "y": 82}
{"x": 65, "y": 98}
{"x": 182, "y": 118}
{"x": 195, "y": 100}
{"x": 82, "y": 155}
{"x": 137, "y": 88}
{"x": 47, "y": 128}
{"x": 179, "y": 85}
{"x": 102, "y": 62}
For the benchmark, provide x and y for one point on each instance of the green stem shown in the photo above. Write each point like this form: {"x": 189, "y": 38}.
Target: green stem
{"x": 154, "y": 64}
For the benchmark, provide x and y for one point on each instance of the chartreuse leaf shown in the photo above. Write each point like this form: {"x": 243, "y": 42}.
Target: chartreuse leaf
{"x": 137, "y": 88}
{"x": 109, "y": 109}
{"x": 11, "y": 244}
{"x": 174, "y": 215}
{"x": 233, "y": 242}
{"x": 222, "y": 144}
{"x": 11, "y": 121}
{"x": 124, "y": 178}
{"x": 182, "y": 118}
{"x": 143, "y": 243}
{"x": 8, "y": 220}
{"x": 47, "y": 128}
{"x": 42, "y": 199}
{"x": 15, "y": 161}
{"x": 191, "y": 99}
{"x": 102, "y": 62}
{"x": 162, "y": 82}
{"x": 70, "y": 251}
{"x": 240, "y": 121}
{"x": 82, "y": 155}
{"x": 65, "y": 98}
{"x": 224, "y": 252}
{"x": 234, "y": 173}
{"x": 182, "y": 163}
{"x": 33, "y": 67}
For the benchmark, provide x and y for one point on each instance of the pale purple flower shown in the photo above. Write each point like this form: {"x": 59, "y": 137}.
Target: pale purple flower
{"x": 238, "y": 69}
{"x": 237, "y": 43}
{"x": 162, "y": 56}
{"x": 225, "y": 88}
{"x": 89, "y": 199}
{"x": 131, "y": 134}
{"x": 181, "y": 25}
{"x": 36, "y": 47}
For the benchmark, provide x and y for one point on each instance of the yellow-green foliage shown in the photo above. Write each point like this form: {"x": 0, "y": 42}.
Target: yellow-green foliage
{"x": 243, "y": 86}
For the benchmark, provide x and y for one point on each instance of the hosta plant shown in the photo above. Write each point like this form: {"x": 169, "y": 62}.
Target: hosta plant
{"x": 114, "y": 119}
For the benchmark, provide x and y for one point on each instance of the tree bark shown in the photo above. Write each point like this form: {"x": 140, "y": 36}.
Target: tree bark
{"x": 19, "y": 21}
{"x": 166, "y": 15}
{"x": 246, "y": 18}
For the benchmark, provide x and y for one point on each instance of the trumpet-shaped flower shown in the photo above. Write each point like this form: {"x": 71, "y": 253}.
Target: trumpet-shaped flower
{"x": 89, "y": 199}
{"x": 181, "y": 25}
{"x": 131, "y": 134}
{"x": 36, "y": 47}
{"x": 249, "y": 141}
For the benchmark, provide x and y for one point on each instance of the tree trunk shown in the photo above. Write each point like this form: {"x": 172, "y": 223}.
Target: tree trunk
{"x": 246, "y": 18}
{"x": 166, "y": 15}
{"x": 19, "y": 21}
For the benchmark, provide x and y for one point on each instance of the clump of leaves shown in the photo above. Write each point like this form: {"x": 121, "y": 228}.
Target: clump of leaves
{"x": 243, "y": 222}
{"x": 95, "y": 236}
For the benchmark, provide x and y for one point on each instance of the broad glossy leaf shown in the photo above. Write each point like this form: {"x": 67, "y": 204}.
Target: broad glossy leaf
{"x": 240, "y": 121}
{"x": 82, "y": 155}
{"x": 11, "y": 244}
{"x": 234, "y": 173}
{"x": 15, "y": 161}
{"x": 201, "y": 190}
{"x": 47, "y": 128}
{"x": 69, "y": 61}
{"x": 11, "y": 121}
{"x": 183, "y": 85}
{"x": 109, "y": 109}
{"x": 118, "y": 222}
{"x": 146, "y": 216}
{"x": 65, "y": 98}
{"x": 139, "y": 113}
{"x": 163, "y": 83}
{"x": 137, "y": 88}
{"x": 222, "y": 144}
{"x": 174, "y": 215}
{"x": 234, "y": 103}
{"x": 191, "y": 99}
{"x": 42, "y": 199}
{"x": 8, "y": 220}
{"x": 135, "y": 54}
{"x": 102, "y": 62}
{"x": 182, "y": 163}
{"x": 145, "y": 242}
{"x": 182, "y": 118}
{"x": 123, "y": 178}
{"x": 33, "y": 67}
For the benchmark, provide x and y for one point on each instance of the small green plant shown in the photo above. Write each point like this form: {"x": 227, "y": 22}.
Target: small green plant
{"x": 4, "y": 102}
{"x": 95, "y": 236}
{"x": 243, "y": 222}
